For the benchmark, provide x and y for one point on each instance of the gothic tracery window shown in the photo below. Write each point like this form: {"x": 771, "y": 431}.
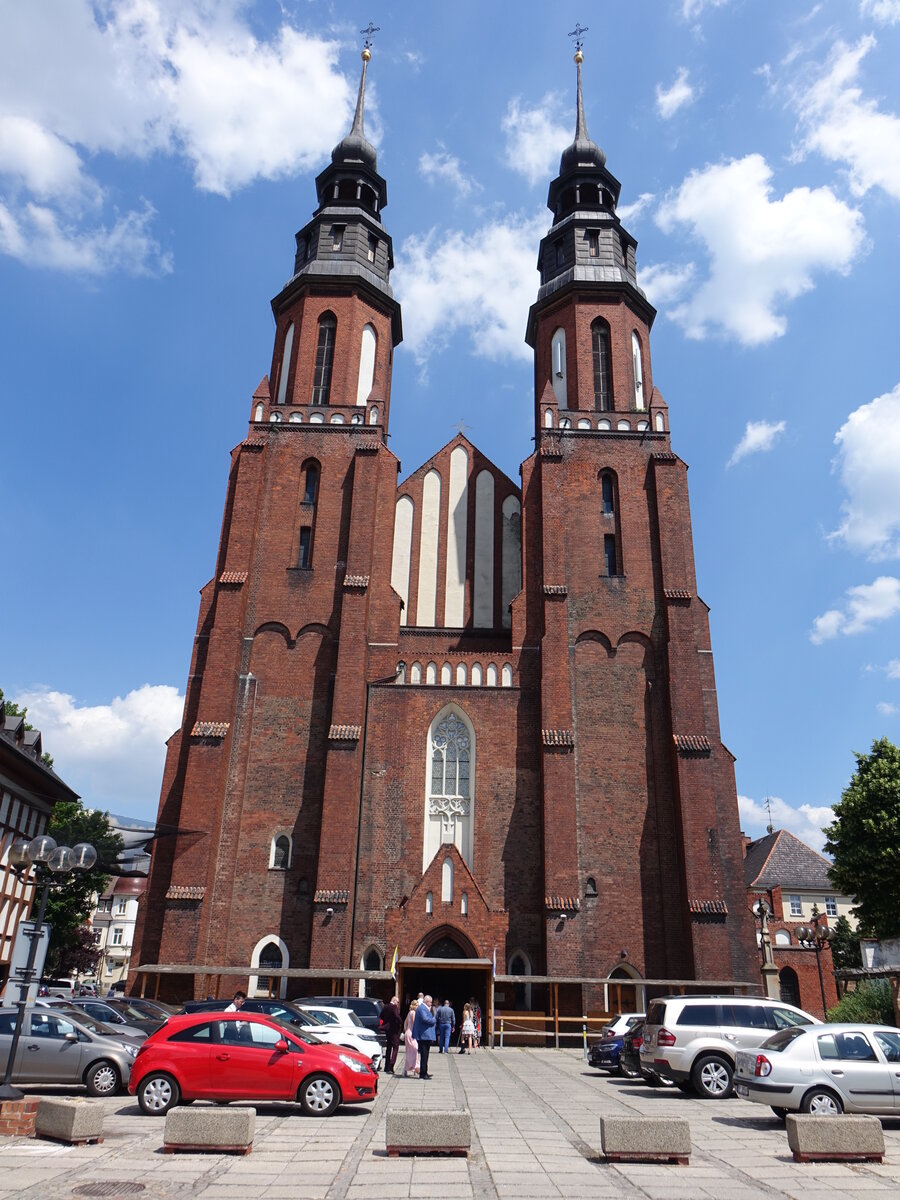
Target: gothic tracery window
{"x": 450, "y": 788}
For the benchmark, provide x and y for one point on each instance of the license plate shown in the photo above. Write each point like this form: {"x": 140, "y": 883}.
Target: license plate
{"x": 742, "y": 1090}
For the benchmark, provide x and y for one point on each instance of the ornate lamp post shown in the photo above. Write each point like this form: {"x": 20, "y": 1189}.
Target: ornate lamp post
{"x": 816, "y": 937}
{"x": 51, "y": 864}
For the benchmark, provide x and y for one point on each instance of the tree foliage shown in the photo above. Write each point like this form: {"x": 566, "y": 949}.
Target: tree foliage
{"x": 870, "y": 1003}
{"x": 79, "y": 956}
{"x": 845, "y": 951}
{"x": 16, "y": 710}
{"x": 69, "y": 907}
{"x": 864, "y": 839}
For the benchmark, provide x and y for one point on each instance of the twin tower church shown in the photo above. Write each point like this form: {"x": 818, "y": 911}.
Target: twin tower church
{"x": 457, "y": 717}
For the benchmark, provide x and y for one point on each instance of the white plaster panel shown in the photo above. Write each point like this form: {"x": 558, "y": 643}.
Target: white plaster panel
{"x": 403, "y": 523}
{"x": 457, "y": 524}
{"x": 483, "y": 583}
{"x": 285, "y": 364}
{"x": 428, "y": 549}
{"x": 366, "y": 365}
{"x": 510, "y": 557}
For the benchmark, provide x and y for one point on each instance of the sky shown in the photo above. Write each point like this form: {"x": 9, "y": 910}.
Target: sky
{"x": 156, "y": 159}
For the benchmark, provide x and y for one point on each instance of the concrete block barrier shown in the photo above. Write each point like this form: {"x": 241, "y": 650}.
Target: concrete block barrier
{"x": 844, "y": 1138}
{"x": 645, "y": 1139}
{"x": 224, "y": 1130}
{"x": 432, "y": 1131}
{"x": 69, "y": 1120}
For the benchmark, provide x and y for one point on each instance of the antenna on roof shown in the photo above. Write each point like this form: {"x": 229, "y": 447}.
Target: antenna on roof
{"x": 770, "y": 828}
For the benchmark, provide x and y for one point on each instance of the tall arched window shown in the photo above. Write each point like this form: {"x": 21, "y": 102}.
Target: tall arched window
{"x": 519, "y": 965}
{"x": 450, "y": 775}
{"x": 638, "y": 372}
{"x": 558, "y": 367}
{"x": 602, "y": 380}
{"x": 612, "y": 557}
{"x": 272, "y": 953}
{"x": 285, "y": 363}
{"x": 308, "y": 508}
{"x": 321, "y": 392}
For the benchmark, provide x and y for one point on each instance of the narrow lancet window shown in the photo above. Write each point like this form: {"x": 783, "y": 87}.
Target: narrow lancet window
{"x": 321, "y": 392}
{"x": 602, "y": 389}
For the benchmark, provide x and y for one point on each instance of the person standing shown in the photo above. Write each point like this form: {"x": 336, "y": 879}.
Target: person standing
{"x": 424, "y": 1033}
{"x": 237, "y": 1002}
{"x": 411, "y": 1061}
{"x": 467, "y": 1033}
{"x": 391, "y": 1025}
{"x": 446, "y": 1023}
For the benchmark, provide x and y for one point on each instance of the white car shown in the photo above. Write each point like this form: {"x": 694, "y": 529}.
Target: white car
{"x": 342, "y": 1027}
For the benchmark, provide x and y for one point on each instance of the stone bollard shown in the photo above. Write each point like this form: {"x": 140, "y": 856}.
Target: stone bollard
{"x": 74, "y": 1121}
{"x": 223, "y": 1130}
{"x": 436, "y": 1131}
{"x": 645, "y": 1139}
{"x": 844, "y": 1138}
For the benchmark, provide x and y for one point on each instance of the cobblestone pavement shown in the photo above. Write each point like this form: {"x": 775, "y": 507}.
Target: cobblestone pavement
{"x": 536, "y": 1116}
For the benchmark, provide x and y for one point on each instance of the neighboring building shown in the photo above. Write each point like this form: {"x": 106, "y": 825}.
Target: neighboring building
{"x": 28, "y": 791}
{"x": 114, "y": 918}
{"x": 462, "y": 717}
{"x": 794, "y": 879}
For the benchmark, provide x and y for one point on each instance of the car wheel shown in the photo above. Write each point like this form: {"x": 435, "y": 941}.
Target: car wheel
{"x": 820, "y": 1102}
{"x": 319, "y": 1096}
{"x": 712, "y": 1077}
{"x": 780, "y": 1113}
{"x": 102, "y": 1078}
{"x": 628, "y": 1072}
{"x": 158, "y": 1093}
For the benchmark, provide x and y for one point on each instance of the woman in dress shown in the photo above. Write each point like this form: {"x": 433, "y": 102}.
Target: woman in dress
{"x": 411, "y": 1062}
{"x": 468, "y": 1029}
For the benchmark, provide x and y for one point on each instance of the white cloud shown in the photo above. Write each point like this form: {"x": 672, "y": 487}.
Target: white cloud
{"x": 111, "y": 754}
{"x": 893, "y": 669}
{"x": 664, "y": 282}
{"x": 762, "y": 251}
{"x": 866, "y": 604}
{"x": 447, "y": 282}
{"x": 886, "y": 709}
{"x": 444, "y": 167}
{"x": 806, "y": 822}
{"x": 885, "y": 12}
{"x": 535, "y": 137}
{"x": 868, "y": 463}
{"x": 669, "y": 100}
{"x": 132, "y": 78}
{"x": 631, "y": 212}
{"x": 759, "y": 437}
{"x": 844, "y": 127}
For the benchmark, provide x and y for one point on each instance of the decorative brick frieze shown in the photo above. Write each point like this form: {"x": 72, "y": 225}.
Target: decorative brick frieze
{"x": 664, "y": 456}
{"x": 214, "y": 730}
{"x": 233, "y": 577}
{"x": 562, "y": 903}
{"x": 332, "y": 896}
{"x": 554, "y": 450}
{"x": 692, "y": 744}
{"x": 677, "y": 595}
{"x": 555, "y": 589}
{"x": 253, "y": 444}
{"x": 716, "y": 908}
{"x": 344, "y": 733}
{"x": 556, "y": 738}
{"x": 368, "y": 445}
{"x": 357, "y": 583}
{"x": 186, "y": 891}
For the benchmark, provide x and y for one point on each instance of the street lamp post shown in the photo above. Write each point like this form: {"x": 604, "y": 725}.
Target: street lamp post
{"x": 816, "y": 936}
{"x": 51, "y": 863}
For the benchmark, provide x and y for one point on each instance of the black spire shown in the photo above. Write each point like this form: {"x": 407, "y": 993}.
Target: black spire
{"x": 582, "y": 152}
{"x": 355, "y": 147}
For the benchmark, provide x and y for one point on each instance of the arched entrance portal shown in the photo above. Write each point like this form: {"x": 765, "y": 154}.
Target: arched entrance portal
{"x": 445, "y": 967}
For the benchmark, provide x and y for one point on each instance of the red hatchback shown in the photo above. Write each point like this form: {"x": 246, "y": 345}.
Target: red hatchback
{"x": 245, "y": 1056}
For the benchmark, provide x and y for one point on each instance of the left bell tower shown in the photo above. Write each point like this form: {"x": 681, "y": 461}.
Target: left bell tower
{"x": 266, "y": 759}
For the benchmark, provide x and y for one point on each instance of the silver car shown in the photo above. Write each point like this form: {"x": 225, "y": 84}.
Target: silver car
{"x": 825, "y": 1070}
{"x": 56, "y": 1048}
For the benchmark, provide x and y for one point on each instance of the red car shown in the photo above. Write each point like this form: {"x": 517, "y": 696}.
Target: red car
{"x": 245, "y": 1056}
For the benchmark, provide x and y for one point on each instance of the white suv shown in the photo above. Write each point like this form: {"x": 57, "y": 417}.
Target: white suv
{"x": 693, "y": 1040}
{"x": 342, "y": 1027}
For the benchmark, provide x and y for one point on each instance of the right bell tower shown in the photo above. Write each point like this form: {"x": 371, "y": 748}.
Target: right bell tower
{"x": 643, "y": 862}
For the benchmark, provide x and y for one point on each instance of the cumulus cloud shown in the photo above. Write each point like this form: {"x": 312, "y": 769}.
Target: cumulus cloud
{"x": 759, "y": 437}
{"x": 447, "y": 282}
{"x": 442, "y": 167}
{"x": 806, "y": 822}
{"x": 693, "y": 8}
{"x": 669, "y": 100}
{"x": 893, "y": 669}
{"x": 868, "y": 456}
{"x": 843, "y": 126}
{"x": 886, "y": 709}
{"x": 133, "y": 78}
{"x": 885, "y": 12}
{"x": 763, "y": 251}
{"x": 664, "y": 282}
{"x": 535, "y": 137}
{"x": 631, "y": 212}
{"x": 866, "y": 605}
{"x": 111, "y": 754}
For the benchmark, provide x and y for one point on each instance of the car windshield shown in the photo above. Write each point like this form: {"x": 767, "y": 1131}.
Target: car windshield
{"x": 129, "y": 1010}
{"x": 783, "y": 1038}
{"x": 86, "y": 1021}
{"x": 300, "y": 1034}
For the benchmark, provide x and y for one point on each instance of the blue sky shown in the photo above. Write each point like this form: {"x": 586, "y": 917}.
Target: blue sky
{"x": 156, "y": 159}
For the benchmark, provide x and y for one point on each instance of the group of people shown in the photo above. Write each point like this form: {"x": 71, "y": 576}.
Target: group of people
{"x": 426, "y": 1024}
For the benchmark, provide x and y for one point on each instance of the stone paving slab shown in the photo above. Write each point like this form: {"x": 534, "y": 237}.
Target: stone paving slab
{"x": 536, "y": 1133}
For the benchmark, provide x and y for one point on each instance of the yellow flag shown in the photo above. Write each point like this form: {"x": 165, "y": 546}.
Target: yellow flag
{"x": 394, "y": 962}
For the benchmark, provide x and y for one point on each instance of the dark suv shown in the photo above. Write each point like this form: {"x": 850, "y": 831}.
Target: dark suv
{"x": 367, "y": 1009}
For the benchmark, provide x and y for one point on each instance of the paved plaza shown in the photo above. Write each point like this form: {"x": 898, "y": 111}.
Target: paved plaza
{"x": 536, "y": 1116}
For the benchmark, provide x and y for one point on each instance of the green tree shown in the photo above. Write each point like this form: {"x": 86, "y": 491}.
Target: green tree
{"x": 69, "y": 907}
{"x": 15, "y": 710}
{"x": 845, "y": 951}
{"x": 864, "y": 839}
{"x": 870, "y": 1003}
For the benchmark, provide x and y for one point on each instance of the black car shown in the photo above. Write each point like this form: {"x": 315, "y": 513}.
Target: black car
{"x": 630, "y": 1059}
{"x": 367, "y": 1009}
{"x": 282, "y": 1010}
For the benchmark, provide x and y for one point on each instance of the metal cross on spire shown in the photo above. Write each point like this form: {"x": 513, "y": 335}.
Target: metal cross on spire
{"x": 367, "y": 34}
{"x": 578, "y": 34}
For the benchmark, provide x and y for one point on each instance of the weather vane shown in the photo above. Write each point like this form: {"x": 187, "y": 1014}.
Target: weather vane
{"x": 578, "y": 34}
{"x": 367, "y": 34}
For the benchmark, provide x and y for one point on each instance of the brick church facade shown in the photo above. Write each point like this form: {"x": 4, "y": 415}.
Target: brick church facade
{"x": 458, "y": 717}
